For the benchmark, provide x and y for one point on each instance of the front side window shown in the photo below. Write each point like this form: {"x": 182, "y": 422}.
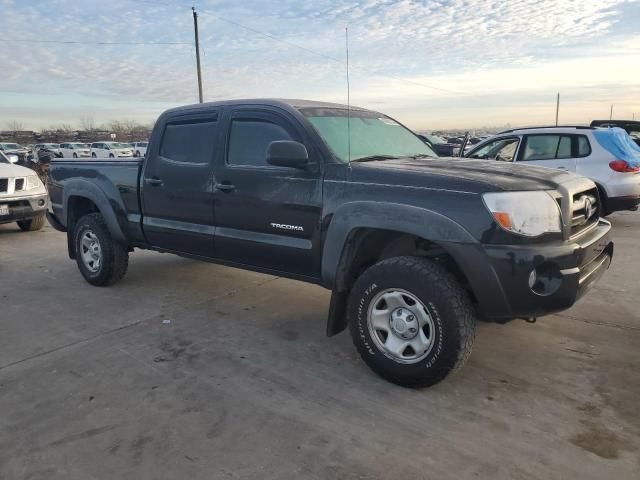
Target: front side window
{"x": 189, "y": 142}
{"x": 361, "y": 134}
{"x": 249, "y": 140}
{"x": 547, "y": 147}
{"x": 502, "y": 149}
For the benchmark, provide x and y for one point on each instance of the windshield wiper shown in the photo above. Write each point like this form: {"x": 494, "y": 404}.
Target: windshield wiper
{"x": 373, "y": 158}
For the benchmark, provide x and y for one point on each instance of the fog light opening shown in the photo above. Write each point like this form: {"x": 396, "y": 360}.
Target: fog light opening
{"x": 545, "y": 279}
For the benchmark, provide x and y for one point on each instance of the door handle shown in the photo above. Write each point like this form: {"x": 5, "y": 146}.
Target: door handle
{"x": 153, "y": 181}
{"x": 225, "y": 187}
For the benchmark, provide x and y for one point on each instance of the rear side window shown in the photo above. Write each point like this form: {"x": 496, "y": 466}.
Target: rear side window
{"x": 584, "y": 147}
{"x": 547, "y": 147}
{"x": 192, "y": 142}
{"x": 249, "y": 139}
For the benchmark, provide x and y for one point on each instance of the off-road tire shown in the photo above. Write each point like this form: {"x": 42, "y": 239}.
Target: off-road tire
{"x": 115, "y": 256}
{"x": 33, "y": 224}
{"x": 447, "y": 302}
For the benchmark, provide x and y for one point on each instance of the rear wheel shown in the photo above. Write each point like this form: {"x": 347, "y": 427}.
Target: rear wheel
{"x": 75, "y": 155}
{"x": 93, "y": 155}
{"x": 101, "y": 260}
{"x": 111, "y": 155}
{"x": 411, "y": 321}
{"x": 33, "y": 224}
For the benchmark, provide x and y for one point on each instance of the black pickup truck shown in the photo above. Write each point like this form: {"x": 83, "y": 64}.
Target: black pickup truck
{"x": 414, "y": 248}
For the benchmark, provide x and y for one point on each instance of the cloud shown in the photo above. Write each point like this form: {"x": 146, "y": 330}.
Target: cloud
{"x": 470, "y": 48}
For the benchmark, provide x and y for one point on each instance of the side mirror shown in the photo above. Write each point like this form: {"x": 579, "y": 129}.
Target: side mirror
{"x": 286, "y": 153}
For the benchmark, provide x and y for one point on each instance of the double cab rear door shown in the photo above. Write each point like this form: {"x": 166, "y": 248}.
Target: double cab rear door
{"x": 208, "y": 191}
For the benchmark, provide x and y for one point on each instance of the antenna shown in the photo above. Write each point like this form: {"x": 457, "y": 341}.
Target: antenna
{"x": 346, "y": 42}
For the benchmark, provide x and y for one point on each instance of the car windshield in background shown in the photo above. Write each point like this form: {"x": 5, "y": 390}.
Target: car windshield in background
{"x": 120, "y": 145}
{"x": 79, "y": 145}
{"x": 9, "y": 146}
{"x": 373, "y": 136}
{"x": 435, "y": 139}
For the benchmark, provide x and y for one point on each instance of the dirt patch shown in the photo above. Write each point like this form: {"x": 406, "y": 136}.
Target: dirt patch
{"x": 600, "y": 441}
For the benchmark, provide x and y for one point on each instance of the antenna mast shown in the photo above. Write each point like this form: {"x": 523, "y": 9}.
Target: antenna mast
{"x": 346, "y": 40}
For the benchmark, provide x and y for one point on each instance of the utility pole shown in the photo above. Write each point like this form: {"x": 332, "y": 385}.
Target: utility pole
{"x": 557, "y": 107}
{"x": 611, "y": 112}
{"x": 195, "y": 28}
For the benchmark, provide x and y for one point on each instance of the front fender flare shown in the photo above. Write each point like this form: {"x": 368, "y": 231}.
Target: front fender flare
{"x": 408, "y": 219}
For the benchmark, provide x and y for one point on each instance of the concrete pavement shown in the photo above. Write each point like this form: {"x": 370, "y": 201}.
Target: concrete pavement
{"x": 192, "y": 370}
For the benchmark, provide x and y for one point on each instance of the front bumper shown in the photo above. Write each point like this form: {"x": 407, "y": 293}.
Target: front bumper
{"x": 501, "y": 278}
{"x": 23, "y": 207}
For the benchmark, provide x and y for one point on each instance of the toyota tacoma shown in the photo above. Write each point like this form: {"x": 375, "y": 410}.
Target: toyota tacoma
{"x": 414, "y": 248}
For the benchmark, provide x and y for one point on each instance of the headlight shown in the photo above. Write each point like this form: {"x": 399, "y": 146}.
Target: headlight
{"x": 13, "y": 158}
{"x": 33, "y": 182}
{"x": 525, "y": 213}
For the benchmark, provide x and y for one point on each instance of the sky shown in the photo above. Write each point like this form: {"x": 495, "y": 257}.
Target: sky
{"x": 432, "y": 64}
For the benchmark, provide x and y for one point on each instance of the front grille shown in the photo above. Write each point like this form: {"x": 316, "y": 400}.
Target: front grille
{"x": 19, "y": 184}
{"x": 4, "y": 185}
{"x": 584, "y": 211}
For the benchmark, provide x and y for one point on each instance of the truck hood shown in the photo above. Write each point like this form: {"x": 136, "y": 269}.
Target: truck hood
{"x": 462, "y": 174}
{"x": 12, "y": 170}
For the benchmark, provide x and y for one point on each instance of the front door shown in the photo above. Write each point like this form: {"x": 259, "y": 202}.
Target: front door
{"x": 177, "y": 185}
{"x": 266, "y": 216}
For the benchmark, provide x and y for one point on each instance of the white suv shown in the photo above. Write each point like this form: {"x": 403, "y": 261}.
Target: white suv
{"x": 73, "y": 150}
{"x": 608, "y": 156}
{"x": 140, "y": 149}
{"x": 111, "y": 150}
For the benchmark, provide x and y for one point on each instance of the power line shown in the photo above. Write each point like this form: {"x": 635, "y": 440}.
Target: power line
{"x": 78, "y": 42}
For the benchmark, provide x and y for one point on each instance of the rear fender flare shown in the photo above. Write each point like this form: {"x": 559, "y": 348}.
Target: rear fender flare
{"x": 90, "y": 191}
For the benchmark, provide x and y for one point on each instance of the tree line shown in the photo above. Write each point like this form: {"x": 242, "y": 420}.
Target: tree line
{"x": 88, "y": 131}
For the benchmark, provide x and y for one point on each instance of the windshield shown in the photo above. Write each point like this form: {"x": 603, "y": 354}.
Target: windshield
{"x": 79, "y": 145}
{"x": 372, "y": 134}
{"x": 9, "y": 146}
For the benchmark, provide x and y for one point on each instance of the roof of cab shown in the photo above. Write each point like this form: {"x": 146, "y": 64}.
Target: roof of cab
{"x": 286, "y": 103}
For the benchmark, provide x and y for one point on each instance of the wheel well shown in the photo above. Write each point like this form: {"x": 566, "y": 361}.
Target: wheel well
{"x": 367, "y": 246}
{"x": 77, "y": 207}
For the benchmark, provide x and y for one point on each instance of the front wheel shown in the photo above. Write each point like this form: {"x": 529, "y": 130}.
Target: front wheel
{"x": 101, "y": 260}
{"x": 33, "y": 224}
{"x": 111, "y": 155}
{"x": 75, "y": 155}
{"x": 411, "y": 321}
{"x": 93, "y": 155}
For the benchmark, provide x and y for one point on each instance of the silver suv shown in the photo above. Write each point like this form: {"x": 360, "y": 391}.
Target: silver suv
{"x": 608, "y": 156}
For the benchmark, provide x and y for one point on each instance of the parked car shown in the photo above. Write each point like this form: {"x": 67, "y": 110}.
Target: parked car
{"x": 23, "y": 197}
{"x": 606, "y": 156}
{"x": 440, "y": 145}
{"x": 50, "y": 147}
{"x": 111, "y": 150}
{"x": 15, "y": 152}
{"x": 74, "y": 150}
{"x": 632, "y": 127}
{"x": 413, "y": 247}
{"x": 140, "y": 149}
